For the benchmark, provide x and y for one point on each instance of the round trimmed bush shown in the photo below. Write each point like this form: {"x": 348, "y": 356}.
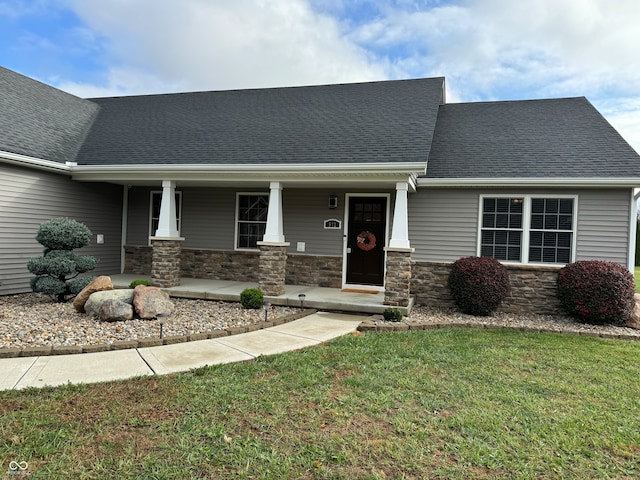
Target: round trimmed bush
{"x": 135, "y": 283}
{"x": 478, "y": 285}
{"x": 597, "y": 292}
{"x": 251, "y": 298}
{"x": 392, "y": 314}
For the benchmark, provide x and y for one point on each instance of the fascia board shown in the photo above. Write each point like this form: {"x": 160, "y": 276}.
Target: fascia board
{"x": 32, "y": 162}
{"x": 243, "y": 172}
{"x": 531, "y": 182}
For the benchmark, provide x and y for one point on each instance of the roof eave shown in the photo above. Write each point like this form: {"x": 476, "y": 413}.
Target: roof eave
{"x": 631, "y": 182}
{"x": 33, "y": 162}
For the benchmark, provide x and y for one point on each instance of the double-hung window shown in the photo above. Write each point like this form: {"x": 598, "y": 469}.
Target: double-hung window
{"x": 251, "y": 219}
{"x": 154, "y": 213}
{"x": 528, "y": 228}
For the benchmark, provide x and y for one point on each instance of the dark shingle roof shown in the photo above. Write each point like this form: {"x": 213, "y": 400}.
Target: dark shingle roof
{"x": 390, "y": 121}
{"x": 528, "y": 139}
{"x": 41, "y": 121}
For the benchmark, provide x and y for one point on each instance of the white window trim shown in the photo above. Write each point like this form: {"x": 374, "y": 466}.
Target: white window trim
{"x": 178, "y": 208}
{"x": 237, "y": 220}
{"x": 526, "y": 225}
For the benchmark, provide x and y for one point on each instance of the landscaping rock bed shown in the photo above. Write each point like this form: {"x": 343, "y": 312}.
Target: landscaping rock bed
{"x": 423, "y": 318}
{"x": 30, "y": 320}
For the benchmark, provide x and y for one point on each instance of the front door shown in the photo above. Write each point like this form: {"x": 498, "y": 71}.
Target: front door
{"x": 366, "y": 240}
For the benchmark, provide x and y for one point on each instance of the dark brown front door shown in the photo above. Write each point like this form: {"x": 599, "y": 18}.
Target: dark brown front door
{"x": 365, "y": 240}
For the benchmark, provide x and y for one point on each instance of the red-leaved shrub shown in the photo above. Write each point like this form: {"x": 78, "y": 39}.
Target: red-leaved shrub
{"x": 478, "y": 284}
{"x": 597, "y": 292}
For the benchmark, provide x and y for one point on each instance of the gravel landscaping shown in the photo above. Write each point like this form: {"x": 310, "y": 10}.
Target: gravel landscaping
{"x": 34, "y": 320}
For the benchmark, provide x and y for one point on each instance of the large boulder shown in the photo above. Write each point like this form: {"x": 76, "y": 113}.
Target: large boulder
{"x": 99, "y": 284}
{"x": 150, "y": 302}
{"x": 114, "y": 310}
{"x": 92, "y": 307}
{"x": 634, "y": 319}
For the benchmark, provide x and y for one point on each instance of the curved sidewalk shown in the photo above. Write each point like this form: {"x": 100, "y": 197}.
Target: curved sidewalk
{"x": 24, "y": 372}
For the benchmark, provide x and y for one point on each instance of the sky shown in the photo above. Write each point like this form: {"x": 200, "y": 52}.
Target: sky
{"x": 486, "y": 49}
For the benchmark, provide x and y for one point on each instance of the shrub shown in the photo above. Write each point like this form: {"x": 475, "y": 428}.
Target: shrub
{"x": 251, "y": 298}
{"x": 135, "y": 283}
{"x": 597, "y": 292}
{"x": 478, "y": 284}
{"x": 56, "y": 270}
{"x": 392, "y": 314}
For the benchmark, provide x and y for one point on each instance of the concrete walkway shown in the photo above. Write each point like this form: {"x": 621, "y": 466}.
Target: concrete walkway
{"x": 24, "y": 372}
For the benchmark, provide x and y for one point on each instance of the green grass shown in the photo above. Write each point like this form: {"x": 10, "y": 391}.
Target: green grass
{"x": 636, "y": 273}
{"x": 449, "y": 403}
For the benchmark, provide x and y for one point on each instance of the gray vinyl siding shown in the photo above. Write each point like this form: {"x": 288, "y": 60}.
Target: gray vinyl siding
{"x": 603, "y": 225}
{"x": 30, "y": 197}
{"x": 208, "y": 217}
{"x": 443, "y": 223}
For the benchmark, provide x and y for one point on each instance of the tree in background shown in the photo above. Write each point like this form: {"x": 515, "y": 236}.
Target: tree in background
{"x": 57, "y": 269}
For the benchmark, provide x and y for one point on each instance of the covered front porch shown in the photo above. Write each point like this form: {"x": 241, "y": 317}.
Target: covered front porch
{"x": 320, "y": 298}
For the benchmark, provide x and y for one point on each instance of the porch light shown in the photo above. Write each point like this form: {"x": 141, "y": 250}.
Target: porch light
{"x": 266, "y": 306}
{"x": 333, "y": 201}
{"x": 301, "y": 297}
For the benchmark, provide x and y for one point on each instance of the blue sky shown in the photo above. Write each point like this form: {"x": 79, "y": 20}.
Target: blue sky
{"x": 486, "y": 49}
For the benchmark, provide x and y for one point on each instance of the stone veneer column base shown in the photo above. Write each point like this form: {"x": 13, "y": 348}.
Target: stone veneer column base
{"x": 165, "y": 262}
{"x": 272, "y": 268}
{"x": 397, "y": 287}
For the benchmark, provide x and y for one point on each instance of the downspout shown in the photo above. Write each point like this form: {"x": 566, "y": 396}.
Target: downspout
{"x": 123, "y": 229}
{"x": 633, "y": 222}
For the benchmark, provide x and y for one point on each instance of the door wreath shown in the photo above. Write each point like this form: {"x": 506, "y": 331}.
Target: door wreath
{"x": 366, "y": 241}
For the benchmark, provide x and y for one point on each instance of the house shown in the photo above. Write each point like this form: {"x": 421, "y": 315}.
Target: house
{"x": 378, "y": 185}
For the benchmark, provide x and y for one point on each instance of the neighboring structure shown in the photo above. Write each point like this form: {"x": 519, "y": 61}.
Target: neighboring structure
{"x": 376, "y": 185}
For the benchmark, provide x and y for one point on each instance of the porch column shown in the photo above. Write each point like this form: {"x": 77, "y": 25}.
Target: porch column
{"x": 398, "y": 262}
{"x": 273, "y": 248}
{"x": 167, "y": 243}
{"x": 400, "y": 231}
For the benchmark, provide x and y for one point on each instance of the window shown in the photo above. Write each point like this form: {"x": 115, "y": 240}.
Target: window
{"x": 528, "y": 229}
{"x": 156, "y": 200}
{"x": 251, "y": 219}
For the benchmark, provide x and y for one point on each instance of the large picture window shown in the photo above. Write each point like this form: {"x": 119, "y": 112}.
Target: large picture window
{"x": 251, "y": 219}
{"x": 528, "y": 229}
{"x": 154, "y": 213}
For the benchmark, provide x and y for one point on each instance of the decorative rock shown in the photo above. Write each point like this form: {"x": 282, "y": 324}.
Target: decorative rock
{"x": 113, "y": 310}
{"x": 97, "y": 285}
{"x": 150, "y": 302}
{"x": 96, "y": 299}
{"x": 634, "y": 319}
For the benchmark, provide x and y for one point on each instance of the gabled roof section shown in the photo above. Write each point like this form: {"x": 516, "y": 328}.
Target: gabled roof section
{"x": 40, "y": 121}
{"x": 560, "y": 138}
{"x": 360, "y": 123}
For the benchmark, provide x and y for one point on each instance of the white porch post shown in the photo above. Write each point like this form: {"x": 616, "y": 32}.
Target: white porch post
{"x": 167, "y": 223}
{"x": 400, "y": 231}
{"x": 274, "y": 232}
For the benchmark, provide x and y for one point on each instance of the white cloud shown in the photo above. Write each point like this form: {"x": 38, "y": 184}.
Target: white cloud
{"x": 199, "y": 44}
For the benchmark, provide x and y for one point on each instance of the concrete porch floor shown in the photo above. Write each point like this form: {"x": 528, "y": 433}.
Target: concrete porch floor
{"x": 320, "y": 298}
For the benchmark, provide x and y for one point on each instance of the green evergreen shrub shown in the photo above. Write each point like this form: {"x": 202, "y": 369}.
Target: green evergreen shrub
{"x": 478, "y": 285}
{"x": 135, "y": 283}
{"x": 597, "y": 292}
{"x": 56, "y": 270}
{"x": 251, "y": 298}
{"x": 392, "y": 314}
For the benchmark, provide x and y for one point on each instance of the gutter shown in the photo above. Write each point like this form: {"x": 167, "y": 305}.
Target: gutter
{"x": 631, "y": 182}
{"x": 32, "y": 162}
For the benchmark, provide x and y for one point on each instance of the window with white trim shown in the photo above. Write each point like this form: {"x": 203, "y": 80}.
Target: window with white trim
{"x": 528, "y": 229}
{"x": 251, "y": 219}
{"x": 154, "y": 211}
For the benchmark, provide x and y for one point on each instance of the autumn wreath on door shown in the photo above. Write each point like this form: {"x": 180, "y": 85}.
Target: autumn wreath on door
{"x": 366, "y": 241}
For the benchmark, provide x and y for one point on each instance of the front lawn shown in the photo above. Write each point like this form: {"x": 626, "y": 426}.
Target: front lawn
{"x": 448, "y": 403}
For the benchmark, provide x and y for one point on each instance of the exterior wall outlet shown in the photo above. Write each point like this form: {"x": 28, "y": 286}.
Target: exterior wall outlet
{"x": 301, "y": 247}
{"x": 100, "y": 239}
